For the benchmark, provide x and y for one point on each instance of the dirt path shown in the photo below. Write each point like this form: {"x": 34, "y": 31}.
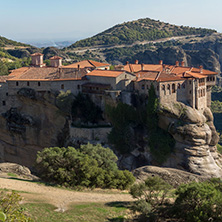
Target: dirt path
{"x": 61, "y": 198}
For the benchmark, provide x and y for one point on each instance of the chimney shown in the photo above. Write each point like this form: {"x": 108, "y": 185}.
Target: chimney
{"x": 201, "y": 69}
{"x": 177, "y": 63}
{"x": 142, "y": 66}
{"x": 56, "y": 61}
{"x": 164, "y": 67}
{"x": 37, "y": 60}
{"x": 161, "y": 62}
{"x": 127, "y": 63}
{"x": 182, "y": 63}
{"x": 136, "y": 61}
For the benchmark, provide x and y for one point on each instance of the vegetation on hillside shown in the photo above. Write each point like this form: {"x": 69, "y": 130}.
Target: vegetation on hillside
{"x": 128, "y": 120}
{"x": 191, "y": 202}
{"x": 139, "y": 30}
{"x": 5, "y": 42}
{"x": 89, "y": 166}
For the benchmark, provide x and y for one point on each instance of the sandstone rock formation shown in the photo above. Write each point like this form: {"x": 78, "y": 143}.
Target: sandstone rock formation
{"x": 29, "y": 127}
{"x": 174, "y": 177}
{"x": 196, "y": 139}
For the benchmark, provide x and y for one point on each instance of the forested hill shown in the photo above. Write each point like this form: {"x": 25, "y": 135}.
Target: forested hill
{"x": 7, "y": 42}
{"x": 139, "y": 30}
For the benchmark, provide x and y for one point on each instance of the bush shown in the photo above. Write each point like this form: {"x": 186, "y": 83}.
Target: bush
{"x": 10, "y": 209}
{"x": 90, "y": 166}
{"x": 150, "y": 194}
{"x": 199, "y": 202}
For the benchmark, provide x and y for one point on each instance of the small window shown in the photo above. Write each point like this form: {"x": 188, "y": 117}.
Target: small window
{"x": 62, "y": 86}
{"x": 6, "y": 94}
{"x": 3, "y": 103}
{"x": 190, "y": 81}
{"x": 27, "y": 83}
{"x": 178, "y": 86}
{"x": 125, "y": 76}
{"x": 173, "y": 88}
{"x": 184, "y": 85}
{"x": 190, "y": 91}
{"x": 168, "y": 86}
{"x": 17, "y": 83}
{"x": 163, "y": 87}
{"x": 39, "y": 84}
{"x": 78, "y": 86}
{"x": 142, "y": 87}
{"x": 97, "y": 88}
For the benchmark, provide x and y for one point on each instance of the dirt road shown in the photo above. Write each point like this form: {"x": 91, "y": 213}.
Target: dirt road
{"x": 61, "y": 198}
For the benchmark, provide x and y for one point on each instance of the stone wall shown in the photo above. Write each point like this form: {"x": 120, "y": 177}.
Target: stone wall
{"x": 90, "y": 134}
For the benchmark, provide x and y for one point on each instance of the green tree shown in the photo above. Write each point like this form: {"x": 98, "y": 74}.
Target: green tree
{"x": 64, "y": 101}
{"x": 90, "y": 166}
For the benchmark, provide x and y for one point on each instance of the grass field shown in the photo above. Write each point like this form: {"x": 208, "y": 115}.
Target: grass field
{"x": 92, "y": 212}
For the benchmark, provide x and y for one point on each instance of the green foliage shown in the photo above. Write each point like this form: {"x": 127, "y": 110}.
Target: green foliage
{"x": 123, "y": 118}
{"x": 140, "y": 30}
{"x": 64, "y": 101}
{"x": 150, "y": 195}
{"x": 84, "y": 108}
{"x": 216, "y": 106}
{"x": 4, "y": 42}
{"x": 219, "y": 148}
{"x": 197, "y": 202}
{"x": 10, "y": 209}
{"x": 161, "y": 143}
{"x": 90, "y": 166}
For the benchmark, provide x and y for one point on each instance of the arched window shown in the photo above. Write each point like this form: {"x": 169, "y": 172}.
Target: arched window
{"x": 163, "y": 87}
{"x": 184, "y": 85}
{"x": 62, "y": 86}
{"x": 168, "y": 86}
{"x": 178, "y": 86}
{"x": 173, "y": 88}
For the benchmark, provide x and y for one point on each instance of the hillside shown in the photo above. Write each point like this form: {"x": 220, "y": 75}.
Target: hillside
{"x": 4, "y": 42}
{"x": 139, "y": 30}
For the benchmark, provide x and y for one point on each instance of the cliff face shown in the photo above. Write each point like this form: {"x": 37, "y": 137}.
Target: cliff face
{"x": 28, "y": 128}
{"x": 196, "y": 138}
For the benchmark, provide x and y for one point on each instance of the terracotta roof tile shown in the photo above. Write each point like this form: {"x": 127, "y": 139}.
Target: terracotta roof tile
{"x": 105, "y": 73}
{"x": 55, "y": 57}
{"x": 48, "y": 73}
{"x": 36, "y": 54}
{"x": 86, "y": 64}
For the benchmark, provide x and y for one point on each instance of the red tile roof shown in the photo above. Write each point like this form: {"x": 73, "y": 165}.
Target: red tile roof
{"x": 55, "y": 57}
{"x": 87, "y": 64}
{"x": 105, "y": 73}
{"x": 46, "y": 73}
{"x": 36, "y": 54}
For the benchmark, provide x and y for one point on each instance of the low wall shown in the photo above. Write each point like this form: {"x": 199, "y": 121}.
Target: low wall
{"x": 99, "y": 134}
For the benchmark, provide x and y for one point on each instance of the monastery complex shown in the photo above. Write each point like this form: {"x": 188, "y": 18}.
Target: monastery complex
{"x": 189, "y": 85}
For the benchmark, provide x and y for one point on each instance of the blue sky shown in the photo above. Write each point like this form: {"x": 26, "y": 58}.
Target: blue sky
{"x": 28, "y": 20}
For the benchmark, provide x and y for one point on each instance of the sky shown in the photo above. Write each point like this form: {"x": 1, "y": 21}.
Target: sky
{"x": 58, "y": 20}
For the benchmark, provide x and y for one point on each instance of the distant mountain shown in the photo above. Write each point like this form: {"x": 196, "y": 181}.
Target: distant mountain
{"x": 139, "y": 30}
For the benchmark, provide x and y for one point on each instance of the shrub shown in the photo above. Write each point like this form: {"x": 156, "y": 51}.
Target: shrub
{"x": 10, "y": 209}
{"x": 90, "y": 166}
{"x": 150, "y": 194}
{"x": 199, "y": 202}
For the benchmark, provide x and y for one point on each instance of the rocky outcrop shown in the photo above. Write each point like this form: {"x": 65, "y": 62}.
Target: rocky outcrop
{"x": 29, "y": 127}
{"x": 172, "y": 176}
{"x": 196, "y": 138}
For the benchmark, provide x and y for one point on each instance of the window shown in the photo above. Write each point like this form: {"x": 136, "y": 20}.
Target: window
{"x": 62, "y": 86}
{"x": 27, "y": 83}
{"x": 125, "y": 76}
{"x": 78, "y": 86}
{"x": 184, "y": 85}
{"x": 163, "y": 87}
{"x": 39, "y": 84}
{"x": 190, "y": 81}
{"x": 3, "y": 103}
{"x": 173, "y": 88}
{"x": 178, "y": 86}
{"x": 17, "y": 83}
{"x": 190, "y": 91}
{"x": 142, "y": 87}
{"x": 6, "y": 94}
{"x": 168, "y": 86}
